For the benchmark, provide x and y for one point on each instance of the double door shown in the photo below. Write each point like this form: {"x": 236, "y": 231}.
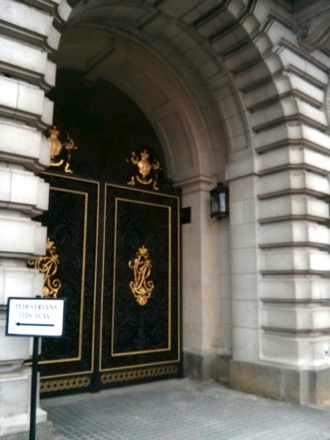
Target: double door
{"x": 113, "y": 254}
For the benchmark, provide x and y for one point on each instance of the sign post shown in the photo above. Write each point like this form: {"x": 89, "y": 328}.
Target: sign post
{"x": 37, "y": 317}
{"x": 34, "y": 384}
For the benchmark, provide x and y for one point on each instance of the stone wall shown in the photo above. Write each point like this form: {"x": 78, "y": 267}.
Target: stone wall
{"x": 26, "y": 38}
{"x": 244, "y": 99}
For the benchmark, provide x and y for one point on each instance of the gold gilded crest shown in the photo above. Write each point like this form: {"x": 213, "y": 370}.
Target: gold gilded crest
{"x": 57, "y": 148}
{"x": 141, "y": 287}
{"x": 145, "y": 168}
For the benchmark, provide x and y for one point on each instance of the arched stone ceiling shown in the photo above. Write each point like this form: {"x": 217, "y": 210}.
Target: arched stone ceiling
{"x": 167, "y": 56}
{"x": 159, "y": 94}
{"x": 105, "y": 124}
{"x": 219, "y": 51}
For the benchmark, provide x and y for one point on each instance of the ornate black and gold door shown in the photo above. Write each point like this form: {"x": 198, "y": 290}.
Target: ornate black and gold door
{"x": 140, "y": 301}
{"x": 70, "y": 268}
{"x": 114, "y": 254}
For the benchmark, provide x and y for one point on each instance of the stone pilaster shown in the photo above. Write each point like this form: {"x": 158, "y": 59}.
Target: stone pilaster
{"x": 27, "y": 36}
{"x": 206, "y": 314}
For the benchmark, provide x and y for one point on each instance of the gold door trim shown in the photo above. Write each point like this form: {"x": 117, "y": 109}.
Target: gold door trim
{"x": 168, "y": 348}
{"x": 81, "y": 314}
{"x": 78, "y": 358}
{"x": 113, "y": 353}
{"x": 50, "y": 386}
{"x": 140, "y": 373}
{"x": 148, "y": 368}
{"x": 145, "y": 191}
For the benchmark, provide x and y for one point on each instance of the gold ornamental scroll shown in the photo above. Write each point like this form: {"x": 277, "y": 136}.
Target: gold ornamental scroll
{"x": 48, "y": 265}
{"x": 141, "y": 287}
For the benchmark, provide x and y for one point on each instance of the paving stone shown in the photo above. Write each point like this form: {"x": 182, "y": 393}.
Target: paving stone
{"x": 185, "y": 410}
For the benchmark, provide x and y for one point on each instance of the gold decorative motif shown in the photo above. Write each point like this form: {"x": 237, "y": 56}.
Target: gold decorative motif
{"x": 48, "y": 264}
{"x": 141, "y": 287}
{"x": 144, "y": 169}
{"x": 50, "y": 386}
{"x": 56, "y": 149}
{"x": 141, "y": 373}
{"x": 69, "y": 146}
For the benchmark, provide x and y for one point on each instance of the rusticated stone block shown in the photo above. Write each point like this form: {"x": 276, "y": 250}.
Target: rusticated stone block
{"x": 199, "y": 367}
{"x": 255, "y": 379}
{"x": 286, "y": 384}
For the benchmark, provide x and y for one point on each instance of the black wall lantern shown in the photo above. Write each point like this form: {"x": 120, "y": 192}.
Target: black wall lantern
{"x": 219, "y": 202}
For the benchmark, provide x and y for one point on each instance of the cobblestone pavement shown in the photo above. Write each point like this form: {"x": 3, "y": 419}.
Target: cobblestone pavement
{"x": 182, "y": 409}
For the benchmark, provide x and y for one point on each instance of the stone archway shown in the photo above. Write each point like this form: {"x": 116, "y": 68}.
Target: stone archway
{"x": 272, "y": 105}
{"x": 180, "y": 126}
{"x": 173, "y": 113}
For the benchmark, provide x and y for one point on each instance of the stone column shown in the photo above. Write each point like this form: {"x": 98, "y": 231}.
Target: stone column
{"x": 205, "y": 274}
{"x": 26, "y": 37}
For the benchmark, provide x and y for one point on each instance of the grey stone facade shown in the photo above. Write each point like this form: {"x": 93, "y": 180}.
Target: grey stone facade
{"x": 236, "y": 91}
